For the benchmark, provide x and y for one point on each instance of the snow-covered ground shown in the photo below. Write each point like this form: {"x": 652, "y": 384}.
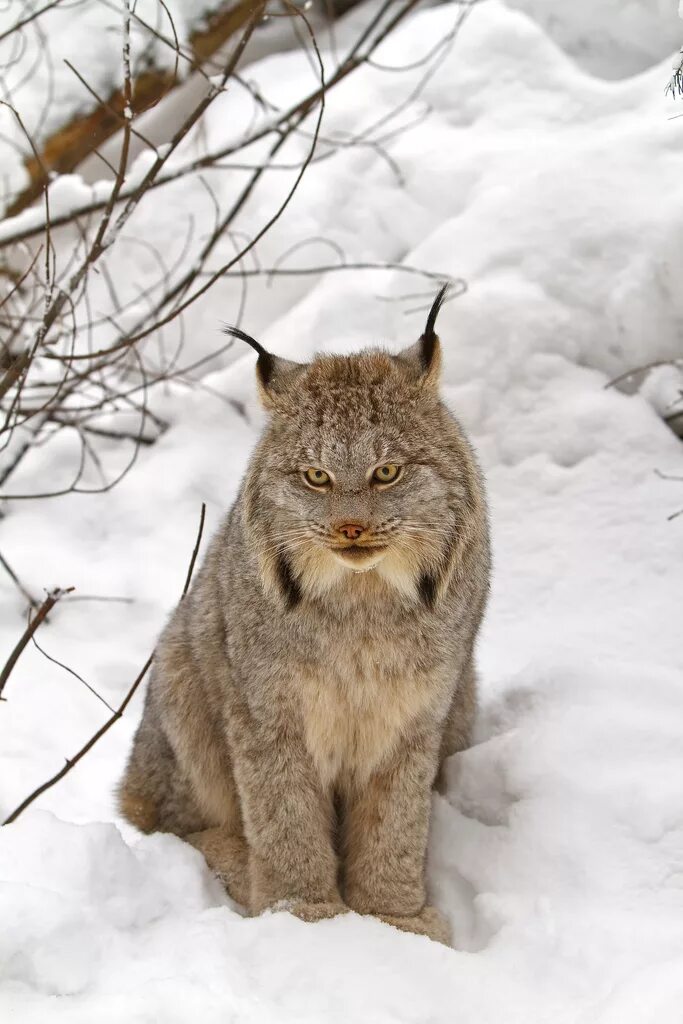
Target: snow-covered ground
{"x": 610, "y": 38}
{"x": 557, "y": 851}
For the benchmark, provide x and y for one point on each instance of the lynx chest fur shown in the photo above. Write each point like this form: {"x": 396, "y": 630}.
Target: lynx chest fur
{"x": 356, "y": 710}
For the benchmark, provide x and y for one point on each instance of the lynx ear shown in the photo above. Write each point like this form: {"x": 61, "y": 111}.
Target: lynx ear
{"x": 425, "y": 354}
{"x": 271, "y": 371}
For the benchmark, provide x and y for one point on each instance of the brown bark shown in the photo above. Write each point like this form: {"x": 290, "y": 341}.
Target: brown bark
{"x": 65, "y": 150}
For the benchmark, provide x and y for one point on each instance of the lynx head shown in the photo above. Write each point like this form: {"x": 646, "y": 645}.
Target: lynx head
{"x": 360, "y": 470}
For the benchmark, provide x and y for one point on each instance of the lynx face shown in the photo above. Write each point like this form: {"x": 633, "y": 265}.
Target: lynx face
{"x": 360, "y": 486}
{"x": 361, "y": 469}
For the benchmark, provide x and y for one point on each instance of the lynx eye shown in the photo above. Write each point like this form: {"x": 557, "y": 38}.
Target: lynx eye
{"x": 386, "y": 474}
{"x": 316, "y": 477}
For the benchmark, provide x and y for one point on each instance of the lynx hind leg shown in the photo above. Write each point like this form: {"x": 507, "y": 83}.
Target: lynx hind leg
{"x": 156, "y": 797}
{"x": 228, "y": 857}
{"x": 153, "y": 796}
{"x": 429, "y": 922}
{"x": 459, "y": 723}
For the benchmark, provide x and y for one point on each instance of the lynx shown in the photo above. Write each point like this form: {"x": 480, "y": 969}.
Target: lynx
{"x": 307, "y": 690}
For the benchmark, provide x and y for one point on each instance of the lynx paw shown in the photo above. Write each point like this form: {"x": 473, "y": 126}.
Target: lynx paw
{"x": 311, "y": 911}
{"x": 429, "y": 922}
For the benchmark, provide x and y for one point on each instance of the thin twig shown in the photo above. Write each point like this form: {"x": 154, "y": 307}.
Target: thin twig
{"x": 72, "y": 672}
{"x": 190, "y": 568}
{"x": 73, "y": 761}
{"x": 33, "y": 624}
{"x": 20, "y": 586}
{"x": 655, "y": 364}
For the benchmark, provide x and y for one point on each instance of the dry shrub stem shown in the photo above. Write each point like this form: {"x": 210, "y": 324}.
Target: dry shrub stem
{"x": 23, "y": 590}
{"x": 71, "y": 763}
{"x": 33, "y": 623}
{"x": 54, "y": 376}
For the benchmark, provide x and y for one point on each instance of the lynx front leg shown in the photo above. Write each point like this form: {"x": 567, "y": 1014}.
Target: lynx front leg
{"x": 385, "y": 841}
{"x": 288, "y": 825}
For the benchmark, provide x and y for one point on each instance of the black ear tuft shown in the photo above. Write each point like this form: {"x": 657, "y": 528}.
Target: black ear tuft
{"x": 265, "y": 362}
{"x": 429, "y": 336}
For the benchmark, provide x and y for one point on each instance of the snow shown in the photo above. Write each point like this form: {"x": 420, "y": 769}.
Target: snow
{"x": 609, "y": 38}
{"x": 557, "y": 851}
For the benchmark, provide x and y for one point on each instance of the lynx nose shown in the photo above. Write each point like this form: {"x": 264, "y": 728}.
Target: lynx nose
{"x": 351, "y": 531}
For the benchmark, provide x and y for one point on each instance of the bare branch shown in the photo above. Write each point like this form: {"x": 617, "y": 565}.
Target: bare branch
{"x": 33, "y": 603}
{"x": 72, "y": 672}
{"x": 46, "y": 607}
{"x": 627, "y": 374}
{"x": 70, "y": 763}
{"x": 76, "y": 366}
{"x": 195, "y": 552}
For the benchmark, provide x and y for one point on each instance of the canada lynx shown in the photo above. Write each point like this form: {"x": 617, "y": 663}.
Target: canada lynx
{"x": 306, "y": 691}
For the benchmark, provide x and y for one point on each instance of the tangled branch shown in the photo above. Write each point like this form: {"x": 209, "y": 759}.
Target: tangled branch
{"x": 85, "y": 354}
